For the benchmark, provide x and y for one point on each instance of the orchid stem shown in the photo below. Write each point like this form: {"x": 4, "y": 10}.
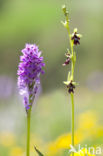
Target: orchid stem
{"x": 72, "y": 100}
{"x": 72, "y": 69}
{"x": 72, "y": 77}
{"x": 28, "y": 132}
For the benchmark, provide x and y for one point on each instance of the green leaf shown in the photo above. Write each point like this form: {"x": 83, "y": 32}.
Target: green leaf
{"x": 39, "y": 153}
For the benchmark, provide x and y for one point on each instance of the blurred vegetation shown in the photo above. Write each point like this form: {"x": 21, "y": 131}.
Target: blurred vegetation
{"x": 51, "y": 125}
{"x": 38, "y": 21}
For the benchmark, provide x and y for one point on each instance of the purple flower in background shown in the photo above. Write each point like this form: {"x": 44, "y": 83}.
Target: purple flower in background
{"x": 29, "y": 70}
{"x": 7, "y": 86}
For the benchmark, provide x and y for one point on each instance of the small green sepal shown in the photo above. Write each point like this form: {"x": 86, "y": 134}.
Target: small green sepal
{"x": 66, "y": 82}
{"x": 75, "y": 83}
{"x": 64, "y": 9}
{"x": 75, "y": 30}
{"x": 65, "y": 24}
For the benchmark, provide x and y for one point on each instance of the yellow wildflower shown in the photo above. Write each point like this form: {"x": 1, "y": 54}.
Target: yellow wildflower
{"x": 87, "y": 120}
{"x": 83, "y": 152}
{"x": 87, "y": 128}
{"x": 88, "y": 125}
{"x": 17, "y": 151}
{"x": 7, "y": 139}
{"x": 62, "y": 142}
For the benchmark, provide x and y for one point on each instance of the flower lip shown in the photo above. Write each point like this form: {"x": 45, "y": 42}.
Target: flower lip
{"x": 71, "y": 87}
{"x": 76, "y": 37}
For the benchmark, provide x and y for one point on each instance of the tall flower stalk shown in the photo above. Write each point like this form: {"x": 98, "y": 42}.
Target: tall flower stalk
{"x": 29, "y": 70}
{"x": 74, "y": 39}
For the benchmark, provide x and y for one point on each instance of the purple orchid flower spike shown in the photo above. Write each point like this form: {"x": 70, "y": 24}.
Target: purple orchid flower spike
{"x": 29, "y": 70}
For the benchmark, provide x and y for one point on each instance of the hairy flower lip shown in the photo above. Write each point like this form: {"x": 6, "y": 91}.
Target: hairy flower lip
{"x": 71, "y": 87}
{"x": 75, "y": 38}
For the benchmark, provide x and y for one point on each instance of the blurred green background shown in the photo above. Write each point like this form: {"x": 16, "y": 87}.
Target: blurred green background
{"x": 39, "y": 21}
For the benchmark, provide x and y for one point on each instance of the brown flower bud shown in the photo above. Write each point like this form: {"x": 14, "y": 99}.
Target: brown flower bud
{"x": 67, "y": 60}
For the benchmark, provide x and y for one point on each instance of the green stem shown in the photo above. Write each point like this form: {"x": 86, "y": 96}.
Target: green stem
{"x": 72, "y": 51}
{"x": 72, "y": 70}
{"x": 72, "y": 100}
{"x": 72, "y": 78}
{"x": 28, "y": 132}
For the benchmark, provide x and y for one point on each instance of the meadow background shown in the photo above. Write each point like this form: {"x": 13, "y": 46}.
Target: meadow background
{"x": 38, "y": 21}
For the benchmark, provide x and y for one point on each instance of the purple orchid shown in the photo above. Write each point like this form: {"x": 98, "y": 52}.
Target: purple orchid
{"x": 29, "y": 70}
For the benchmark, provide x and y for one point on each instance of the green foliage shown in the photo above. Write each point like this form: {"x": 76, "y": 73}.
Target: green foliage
{"x": 39, "y": 21}
{"x": 39, "y": 153}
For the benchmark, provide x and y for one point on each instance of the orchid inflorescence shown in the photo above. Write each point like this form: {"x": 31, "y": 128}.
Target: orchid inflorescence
{"x": 74, "y": 39}
{"x": 29, "y": 70}
{"x": 70, "y": 55}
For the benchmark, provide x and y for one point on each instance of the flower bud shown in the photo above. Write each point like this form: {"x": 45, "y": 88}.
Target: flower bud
{"x": 64, "y": 10}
